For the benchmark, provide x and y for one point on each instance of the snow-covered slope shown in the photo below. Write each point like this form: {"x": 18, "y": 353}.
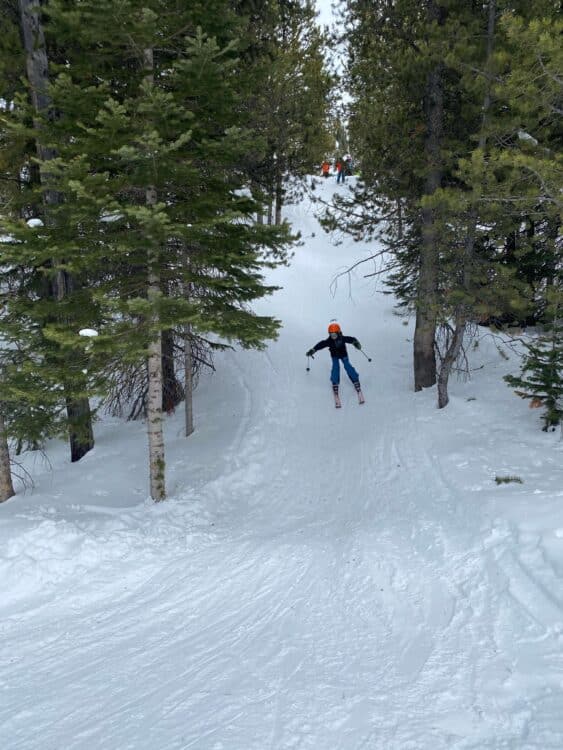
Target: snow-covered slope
{"x": 319, "y": 579}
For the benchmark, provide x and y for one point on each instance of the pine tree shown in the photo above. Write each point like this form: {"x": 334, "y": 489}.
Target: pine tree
{"x": 148, "y": 154}
{"x": 283, "y": 51}
{"x": 434, "y": 131}
{"x": 409, "y": 120}
{"x": 529, "y": 169}
{"x": 46, "y": 278}
{"x": 541, "y": 377}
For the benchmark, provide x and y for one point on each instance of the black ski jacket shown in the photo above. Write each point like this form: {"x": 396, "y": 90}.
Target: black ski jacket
{"x": 337, "y": 346}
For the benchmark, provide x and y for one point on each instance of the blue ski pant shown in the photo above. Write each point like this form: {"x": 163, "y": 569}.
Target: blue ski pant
{"x": 335, "y": 372}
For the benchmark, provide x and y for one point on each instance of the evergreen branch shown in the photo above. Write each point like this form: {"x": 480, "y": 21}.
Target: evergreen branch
{"x": 548, "y": 73}
{"x": 480, "y": 72}
{"x": 343, "y": 209}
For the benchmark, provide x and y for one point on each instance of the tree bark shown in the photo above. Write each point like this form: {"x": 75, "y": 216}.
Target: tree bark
{"x": 172, "y": 391}
{"x": 81, "y": 435}
{"x": 279, "y": 195}
{"x": 6, "y": 485}
{"x": 157, "y": 464}
{"x": 426, "y": 312}
{"x": 37, "y": 66}
{"x": 256, "y": 191}
{"x": 188, "y": 379}
{"x": 399, "y": 219}
{"x": 449, "y": 359}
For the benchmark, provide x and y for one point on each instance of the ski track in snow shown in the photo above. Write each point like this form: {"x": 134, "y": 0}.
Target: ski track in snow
{"x": 322, "y": 580}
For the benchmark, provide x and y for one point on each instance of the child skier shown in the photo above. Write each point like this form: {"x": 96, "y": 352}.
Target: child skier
{"x": 336, "y": 343}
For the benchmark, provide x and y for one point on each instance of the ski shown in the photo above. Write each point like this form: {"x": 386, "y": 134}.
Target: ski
{"x": 337, "y": 402}
{"x": 361, "y": 399}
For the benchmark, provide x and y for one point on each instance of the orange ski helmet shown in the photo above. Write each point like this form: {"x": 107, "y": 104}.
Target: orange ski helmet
{"x": 334, "y": 328}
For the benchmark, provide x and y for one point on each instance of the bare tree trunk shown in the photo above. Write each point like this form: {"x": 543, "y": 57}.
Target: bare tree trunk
{"x": 37, "y": 67}
{"x": 188, "y": 381}
{"x": 6, "y": 486}
{"x": 272, "y": 190}
{"x": 449, "y": 359}
{"x": 426, "y": 311}
{"x": 157, "y": 464}
{"x": 426, "y": 296}
{"x": 188, "y": 367}
{"x": 399, "y": 219}
{"x": 270, "y": 212}
{"x": 256, "y": 190}
{"x": 172, "y": 391}
{"x": 81, "y": 435}
{"x": 278, "y": 195}
{"x": 456, "y": 342}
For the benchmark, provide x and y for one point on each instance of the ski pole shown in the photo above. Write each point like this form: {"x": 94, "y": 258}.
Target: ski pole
{"x": 365, "y": 355}
{"x": 311, "y": 357}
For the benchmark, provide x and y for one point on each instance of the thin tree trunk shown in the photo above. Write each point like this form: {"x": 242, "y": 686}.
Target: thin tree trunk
{"x": 6, "y": 486}
{"x": 157, "y": 464}
{"x": 279, "y": 195}
{"x": 449, "y": 359}
{"x": 81, "y": 435}
{"x": 172, "y": 392}
{"x": 272, "y": 180}
{"x": 426, "y": 307}
{"x": 456, "y": 342}
{"x": 256, "y": 190}
{"x": 188, "y": 367}
{"x": 188, "y": 381}
{"x": 426, "y": 311}
{"x": 399, "y": 219}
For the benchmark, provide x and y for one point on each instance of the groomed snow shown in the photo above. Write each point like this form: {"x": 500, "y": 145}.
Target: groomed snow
{"x": 319, "y": 579}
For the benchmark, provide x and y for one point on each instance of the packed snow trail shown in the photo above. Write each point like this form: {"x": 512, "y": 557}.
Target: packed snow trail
{"x": 349, "y": 579}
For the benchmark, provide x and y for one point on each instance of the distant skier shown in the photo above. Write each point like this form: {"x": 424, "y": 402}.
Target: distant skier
{"x": 340, "y": 171}
{"x": 336, "y": 343}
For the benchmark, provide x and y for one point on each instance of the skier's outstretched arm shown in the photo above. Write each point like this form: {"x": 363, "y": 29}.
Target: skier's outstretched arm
{"x": 352, "y": 340}
{"x": 321, "y": 345}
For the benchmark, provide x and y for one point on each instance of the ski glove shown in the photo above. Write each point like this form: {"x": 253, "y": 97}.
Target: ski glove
{"x": 310, "y": 353}
{"x": 357, "y": 344}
